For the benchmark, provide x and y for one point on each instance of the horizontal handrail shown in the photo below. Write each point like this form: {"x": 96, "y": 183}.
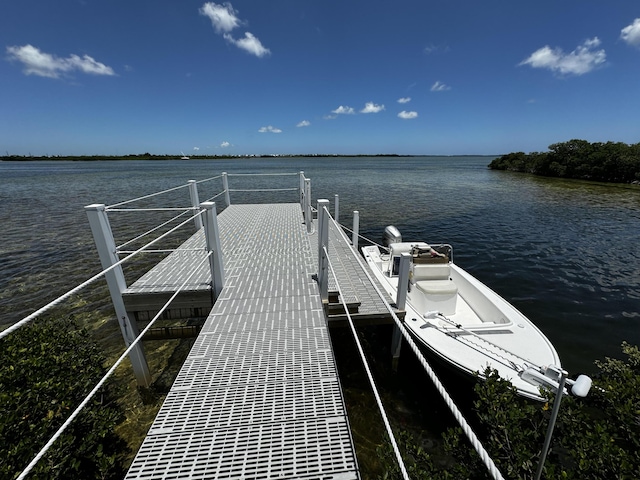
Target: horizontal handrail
{"x": 85, "y": 284}
{"x": 144, "y": 197}
{"x": 264, "y": 190}
{"x": 261, "y": 174}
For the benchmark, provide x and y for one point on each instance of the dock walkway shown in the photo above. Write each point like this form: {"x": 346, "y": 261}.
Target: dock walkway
{"x": 259, "y": 394}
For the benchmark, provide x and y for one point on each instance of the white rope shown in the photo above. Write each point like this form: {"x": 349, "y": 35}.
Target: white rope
{"x": 365, "y": 238}
{"x": 152, "y": 230}
{"x": 91, "y": 394}
{"x": 147, "y": 196}
{"x": 209, "y": 179}
{"x": 261, "y": 174}
{"x": 466, "y": 428}
{"x": 160, "y": 209}
{"x": 374, "y": 389}
{"x": 168, "y": 250}
{"x": 215, "y": 196}
{"x": 264, "y": 190}
{"x": 74, "y": 290}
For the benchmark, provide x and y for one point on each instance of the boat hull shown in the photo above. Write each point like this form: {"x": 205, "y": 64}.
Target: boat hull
{"x": 465, "y": 324}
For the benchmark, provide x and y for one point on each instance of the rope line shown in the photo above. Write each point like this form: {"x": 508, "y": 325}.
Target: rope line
{"x": 91, "y": 394}
{"x": 147, "y": 196}
{"x": 261, "y": 174}
{"x": 466, "y": 428}
{"x": 167, "y": 209}
{"x": 364, "y": 238}
{"x": 374, "y": 389}
{"x": 153, "y": 229}
{"x": 168, "y": 250}
{"x": 264, "y": 190}
{"x": 215, "y": 196}
{"x": 208, "y": 179}
{"x": 76, "y": 289}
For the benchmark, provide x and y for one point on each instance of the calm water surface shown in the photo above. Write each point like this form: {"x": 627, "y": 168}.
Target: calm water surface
{"x": 563, "y": 252}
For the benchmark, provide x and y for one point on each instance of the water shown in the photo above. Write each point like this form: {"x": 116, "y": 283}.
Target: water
{"x": 563, "y": 252}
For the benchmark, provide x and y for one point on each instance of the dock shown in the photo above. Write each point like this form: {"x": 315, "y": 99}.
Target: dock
{"x": 259, "y": 394}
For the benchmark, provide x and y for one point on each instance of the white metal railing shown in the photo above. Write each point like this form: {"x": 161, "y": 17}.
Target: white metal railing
{"x": 204, "y": 216}
{"x": 323, "y": 266}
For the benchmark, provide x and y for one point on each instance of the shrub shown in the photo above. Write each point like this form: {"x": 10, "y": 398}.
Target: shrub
{"x": 46, "y": 369}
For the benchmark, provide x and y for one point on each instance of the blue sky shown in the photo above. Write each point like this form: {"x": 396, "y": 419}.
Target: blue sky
{"x": 294, "y": 76}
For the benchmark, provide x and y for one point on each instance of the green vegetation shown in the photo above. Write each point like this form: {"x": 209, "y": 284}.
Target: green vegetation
{"x": 603, "y": 162}
{"x": 46, "y": 369}
{"x": 596, "y": 437}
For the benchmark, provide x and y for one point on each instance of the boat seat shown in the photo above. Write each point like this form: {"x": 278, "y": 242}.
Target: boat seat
{"x": 435, "y": 271}
{"x": 433, "y": 288}
{"x": 437, "y": 287}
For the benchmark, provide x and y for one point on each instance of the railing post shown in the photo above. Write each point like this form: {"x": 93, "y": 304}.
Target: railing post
{"x": 302, "y": 190}
{"x": 103, "y": 238}
{"x": 356, "y": 229}
{"x": 323, "y": 243}
{"x": 195, "y": 201}
{"x": 403, "y": 281}
{"x": 225, "y": 187}
{"x": 336, "y": 209}
{"x": 401, "y": 302}
{"x": 212, "y": 236}
{"x": 308, "y": 216}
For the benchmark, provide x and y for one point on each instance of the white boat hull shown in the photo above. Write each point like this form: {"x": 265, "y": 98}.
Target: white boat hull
{"x": 466, "y": 324}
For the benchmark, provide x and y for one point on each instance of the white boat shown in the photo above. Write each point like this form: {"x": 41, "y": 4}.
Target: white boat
{"x": 184, "y": 157}
{"x": 462, "y": 321}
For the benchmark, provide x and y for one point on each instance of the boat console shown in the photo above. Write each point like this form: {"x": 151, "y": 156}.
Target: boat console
{"x": 430, "y": 284}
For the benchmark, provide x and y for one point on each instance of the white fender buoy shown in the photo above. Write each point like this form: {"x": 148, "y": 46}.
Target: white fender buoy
{"x": 582, "y": 386}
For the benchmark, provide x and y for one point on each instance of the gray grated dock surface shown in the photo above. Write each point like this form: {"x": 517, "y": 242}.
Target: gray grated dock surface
{"x": 259, "y": 395}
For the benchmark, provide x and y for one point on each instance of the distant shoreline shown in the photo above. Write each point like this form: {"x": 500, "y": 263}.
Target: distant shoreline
{"x": 148, "y": 156}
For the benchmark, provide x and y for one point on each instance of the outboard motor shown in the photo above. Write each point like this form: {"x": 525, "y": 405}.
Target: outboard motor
{"x": 391, "y": 235}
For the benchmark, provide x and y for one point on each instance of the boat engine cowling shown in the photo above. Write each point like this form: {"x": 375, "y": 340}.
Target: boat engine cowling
{"x": 391, "y": 235}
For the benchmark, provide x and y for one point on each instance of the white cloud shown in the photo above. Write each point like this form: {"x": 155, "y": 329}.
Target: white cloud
{"x": 631, "y": 33}
{"x": 371, "y": 107}
{"x": 407, "y": 115}
{"x": 304, "y": 123}
{"x": 249, "y": 43}
{"x": 431, "y": 48}
{"x": 404, "y": 100}
{"x": 343, "y": 110}
{"x": 269, "y": 129}
{"x": 578, "y": 62}
{"x": 43, "y": 64}
{"x": 225, "y": 145}
{"x": 223, "y": 17}
{"x": 195, "y": 149}
{"x": 440, "y": 87}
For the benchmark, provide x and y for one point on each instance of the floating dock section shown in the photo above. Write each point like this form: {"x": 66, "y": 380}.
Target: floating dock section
{"x": 259, "y": 394}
